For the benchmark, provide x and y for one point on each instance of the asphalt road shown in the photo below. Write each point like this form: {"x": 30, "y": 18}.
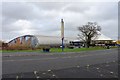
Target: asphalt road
{"x": 15, "y": 63}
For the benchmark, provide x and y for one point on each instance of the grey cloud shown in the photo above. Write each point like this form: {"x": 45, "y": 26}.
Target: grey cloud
{"x": 76, "y": 7}
{"x": 16, "y": 10}
{"x": 50, "y": 5}
{"x": 20, "y": 10}
{"x": 45, "y": 17}
{"x": 103, "y": 11}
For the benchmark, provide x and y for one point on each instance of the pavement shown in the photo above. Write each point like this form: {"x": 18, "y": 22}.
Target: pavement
{"x": 86, "y": 64}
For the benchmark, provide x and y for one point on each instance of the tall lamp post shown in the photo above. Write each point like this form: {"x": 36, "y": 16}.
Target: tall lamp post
{"x": 62, "y": 33}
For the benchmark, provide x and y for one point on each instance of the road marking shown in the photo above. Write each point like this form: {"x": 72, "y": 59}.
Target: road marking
{"x": 28, "y": 59}
{"x": 55, "y": 57}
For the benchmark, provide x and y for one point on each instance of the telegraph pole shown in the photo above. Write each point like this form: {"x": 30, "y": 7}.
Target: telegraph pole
{"x": 62, "y": 33}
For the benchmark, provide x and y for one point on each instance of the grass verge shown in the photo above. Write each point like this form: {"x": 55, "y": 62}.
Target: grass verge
{"x": 53, "y": 50}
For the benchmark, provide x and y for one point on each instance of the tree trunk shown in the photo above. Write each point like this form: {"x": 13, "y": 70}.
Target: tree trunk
{"x": 87, "y": 44}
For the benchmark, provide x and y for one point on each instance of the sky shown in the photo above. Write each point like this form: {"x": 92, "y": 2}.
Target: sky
{"x": 43, "y": 17}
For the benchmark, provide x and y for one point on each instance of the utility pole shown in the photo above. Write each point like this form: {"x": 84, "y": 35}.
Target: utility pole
{"x": 62, "y": 33}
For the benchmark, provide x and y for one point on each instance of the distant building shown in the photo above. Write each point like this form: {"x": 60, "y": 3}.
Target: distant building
{"x": 102, "y": 39}
{"x": 34, "y": 41}
{"x": 3, "y": 45}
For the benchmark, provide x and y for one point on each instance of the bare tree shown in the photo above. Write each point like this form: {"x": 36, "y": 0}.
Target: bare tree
{"x": 89, "y": 32}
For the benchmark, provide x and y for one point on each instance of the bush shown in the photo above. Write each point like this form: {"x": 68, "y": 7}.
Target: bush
{"x": 19, "y": 47}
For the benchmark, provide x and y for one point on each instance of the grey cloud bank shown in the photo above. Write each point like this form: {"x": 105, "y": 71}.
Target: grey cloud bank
{"x": 43, "y": 18}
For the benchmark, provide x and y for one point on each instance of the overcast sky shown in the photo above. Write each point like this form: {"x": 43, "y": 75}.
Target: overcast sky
{"x": 43, "y": 18}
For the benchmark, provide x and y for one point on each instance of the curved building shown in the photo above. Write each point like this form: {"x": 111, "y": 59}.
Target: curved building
{"x": 33, "y": 41}
{"x": 39, "y": 40}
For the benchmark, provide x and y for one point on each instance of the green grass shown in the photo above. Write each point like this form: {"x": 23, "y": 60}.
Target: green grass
{"x": 76, "y": 49}
{"x": 53, "y": 50}
{"x": 9, "y": 51}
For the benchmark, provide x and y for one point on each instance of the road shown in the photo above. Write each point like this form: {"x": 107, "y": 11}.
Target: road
{"x": 14, "y": 63}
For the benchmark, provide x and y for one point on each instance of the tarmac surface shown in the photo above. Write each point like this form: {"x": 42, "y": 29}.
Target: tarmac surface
{"x": 85, "y": 64}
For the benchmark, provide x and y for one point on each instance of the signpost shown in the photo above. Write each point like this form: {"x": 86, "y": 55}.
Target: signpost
{"x": 62, "y": 33}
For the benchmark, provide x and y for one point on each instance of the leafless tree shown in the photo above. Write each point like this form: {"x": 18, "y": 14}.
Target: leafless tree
{"x": 89, "y": 32}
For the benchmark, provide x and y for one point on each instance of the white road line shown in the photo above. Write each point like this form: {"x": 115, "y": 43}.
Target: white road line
{"x": 55, "y": 57}
{"x": 29, "y": 59}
